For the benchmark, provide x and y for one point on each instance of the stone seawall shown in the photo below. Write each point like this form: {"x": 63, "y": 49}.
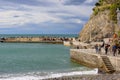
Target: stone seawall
{"x": 35, "y": 39}
{"x": 115, "y": 62}
{"x": 89, "y": 58}
{"x": 84, "y": 58}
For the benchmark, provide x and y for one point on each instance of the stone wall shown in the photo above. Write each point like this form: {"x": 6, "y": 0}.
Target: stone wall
{"x": 89, "y": 58}
{"x": 25, "y": 39}
{"x": 115, "y": 62}
{"x": 66, "y": 43}
{"x": 32, "y": 40}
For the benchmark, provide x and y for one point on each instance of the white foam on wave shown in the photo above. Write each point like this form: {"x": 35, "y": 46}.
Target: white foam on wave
{"x": 34, "y": 77}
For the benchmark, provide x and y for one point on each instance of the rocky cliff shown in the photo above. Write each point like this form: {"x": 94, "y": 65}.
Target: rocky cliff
{"x": 102, "y": 23}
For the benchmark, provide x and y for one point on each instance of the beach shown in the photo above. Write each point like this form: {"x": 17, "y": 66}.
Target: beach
{"x": 89, "y": 77}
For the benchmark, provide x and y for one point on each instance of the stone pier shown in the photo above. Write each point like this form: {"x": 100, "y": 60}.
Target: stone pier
{"x": 45, "y": 39}
{"x": 89, "y": 58}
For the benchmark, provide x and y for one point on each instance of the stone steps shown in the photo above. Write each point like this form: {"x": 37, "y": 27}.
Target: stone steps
{"x": 108, "y": 66}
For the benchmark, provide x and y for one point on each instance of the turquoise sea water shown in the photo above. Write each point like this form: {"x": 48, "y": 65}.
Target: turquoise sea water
{"x": 35, "y": 59}
{"x": 37, "y": 35}
{"x": 28, "y": 57}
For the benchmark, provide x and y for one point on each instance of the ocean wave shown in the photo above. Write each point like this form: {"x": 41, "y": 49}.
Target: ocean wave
{"x": 38, "y": 76}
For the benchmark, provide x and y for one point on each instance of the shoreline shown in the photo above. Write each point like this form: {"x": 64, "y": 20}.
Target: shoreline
{"x": 98, "y": 76}
{"x": 42, "y": 76}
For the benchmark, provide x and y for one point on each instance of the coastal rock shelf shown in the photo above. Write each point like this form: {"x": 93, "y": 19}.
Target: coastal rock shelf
{"x": 54, "y": 40}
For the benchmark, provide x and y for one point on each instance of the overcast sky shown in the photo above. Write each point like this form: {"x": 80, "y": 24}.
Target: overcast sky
{"x": 44, "y": 16}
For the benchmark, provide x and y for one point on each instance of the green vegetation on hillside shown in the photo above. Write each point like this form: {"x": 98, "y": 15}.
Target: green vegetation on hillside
{"x": 113, "y": 14}
{"x": 111, "y": 5}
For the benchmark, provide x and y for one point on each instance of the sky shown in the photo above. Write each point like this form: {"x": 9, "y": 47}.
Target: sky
{"x": 44, "y": 16}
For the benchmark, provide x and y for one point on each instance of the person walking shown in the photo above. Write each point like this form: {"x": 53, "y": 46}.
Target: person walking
{"x": 99, "y": 49}
{"x": 106, "y": 48}
{"x": 114, "y": 49}
{"x": 96, "y": 48}
{"x": 118, "y": 48}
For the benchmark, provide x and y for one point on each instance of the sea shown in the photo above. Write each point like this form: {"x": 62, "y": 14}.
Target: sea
{"x": 37, "y": 61}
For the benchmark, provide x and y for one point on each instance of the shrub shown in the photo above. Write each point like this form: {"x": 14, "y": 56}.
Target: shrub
{"x": 96, "y": 10}
{"x": 113, "y": 13}
{"x": 97, "y": 4}
{"x": 118, "y": 33}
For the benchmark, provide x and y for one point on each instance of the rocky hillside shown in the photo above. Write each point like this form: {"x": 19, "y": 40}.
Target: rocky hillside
{"x": 103, "y": 21}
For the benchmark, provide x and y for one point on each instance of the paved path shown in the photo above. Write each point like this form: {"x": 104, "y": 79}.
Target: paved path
{"x": 110, "y": 53}
{"x": 92, "y": 51}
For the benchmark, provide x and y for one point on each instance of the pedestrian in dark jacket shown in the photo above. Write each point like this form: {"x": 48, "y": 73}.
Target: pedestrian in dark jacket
{"x": 118, "y": 49}
{"x": 106, "y": 48}
{"x": 96, "y": 48}
{"x": 114, "y": 49}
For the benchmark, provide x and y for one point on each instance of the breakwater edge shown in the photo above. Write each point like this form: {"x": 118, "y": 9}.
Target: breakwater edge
{"x": 44, "y": 39}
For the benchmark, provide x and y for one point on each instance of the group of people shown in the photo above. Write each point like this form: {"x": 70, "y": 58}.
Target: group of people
{"x": 112, "y": 46}
{"x": 114, "y": 49}
{"x": 98, "y": 48}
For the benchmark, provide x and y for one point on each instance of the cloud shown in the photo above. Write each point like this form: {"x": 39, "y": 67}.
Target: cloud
{"x": 37, "y": 15}
{"x": 73, "y": 2}
{"x": 28, "y": 2}
{"x": 79, "y": 2}
{"x": 90, "y": 2}
{"x": 22, "y": 17}
{"x": 14, "y": 13}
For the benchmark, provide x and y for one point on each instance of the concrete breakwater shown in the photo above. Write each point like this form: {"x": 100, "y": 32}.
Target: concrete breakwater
{"x": 58, "y": 40}
{"x": 89, "y": 58}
